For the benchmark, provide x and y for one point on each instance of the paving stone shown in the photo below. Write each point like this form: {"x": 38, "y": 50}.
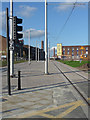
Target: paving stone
{"x": 34, "y": 99}
{"x": 36, "y": 106}
{"x": 77, "y": 113}
{"x": 43, "y": 102}
{"x": 57, "y": 111}
{"x": 25, "y": 101}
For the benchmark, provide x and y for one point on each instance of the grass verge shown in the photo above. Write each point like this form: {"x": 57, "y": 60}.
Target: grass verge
{"x": 4, "y": 63}
{"x": 74, "y": 63}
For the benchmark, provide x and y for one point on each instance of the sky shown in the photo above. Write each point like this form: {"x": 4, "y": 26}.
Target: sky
{"x": 75, "y": 31}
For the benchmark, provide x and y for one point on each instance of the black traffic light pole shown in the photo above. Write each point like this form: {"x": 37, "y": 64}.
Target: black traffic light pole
{"x": 8, "y": 53}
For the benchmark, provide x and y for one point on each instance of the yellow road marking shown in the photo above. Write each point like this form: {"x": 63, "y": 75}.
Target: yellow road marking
{"x": 88, "y": 98}
{"x": 41, "y": 112}
{"x": 46, "y": 115}
{"x": 70, "y": 110}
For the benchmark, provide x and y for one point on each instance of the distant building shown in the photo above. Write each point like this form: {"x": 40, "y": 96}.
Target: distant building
{"x": 54, "y": 52}
{"x": 76, "y": 52}
{"x": 18, "y": 49}
{"x": 3, "y": 46}
{"x": 42, "y": 45}
{"x": 21, "y": 50}
{"x": 33, "y": 53}
{"x": 26, "y": 52}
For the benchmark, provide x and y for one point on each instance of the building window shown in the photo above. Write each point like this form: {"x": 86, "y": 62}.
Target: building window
{"x": 72, "y": 57}
{"x": 86, "y": 52}
{"x": 77, "y": 56}
{"x": 68, "y": 52}
{"x": 63, "y": 52}
{"x": 68, "y": 49}
{"x": 86, "y": 48}
{"x": 72, "y": 53}
{"x": 77, "y": 52}
{"x": 72, "y": 48}
{"x": 63, "y": 49}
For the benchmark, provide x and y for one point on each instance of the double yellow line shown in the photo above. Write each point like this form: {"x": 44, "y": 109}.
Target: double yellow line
{"x": 73, "y": 106}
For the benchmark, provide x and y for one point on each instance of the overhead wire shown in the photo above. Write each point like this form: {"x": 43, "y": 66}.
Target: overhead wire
{"x": 66, "y": 20}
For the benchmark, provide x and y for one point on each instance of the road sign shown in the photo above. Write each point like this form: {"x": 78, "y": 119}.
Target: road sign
{"x": 11, "y": 48}
{"x": 59, "y": 49}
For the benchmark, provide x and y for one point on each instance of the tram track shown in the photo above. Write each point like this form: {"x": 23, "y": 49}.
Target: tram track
{"x": 73, "y": 85}
{"x": 78, "y": 73}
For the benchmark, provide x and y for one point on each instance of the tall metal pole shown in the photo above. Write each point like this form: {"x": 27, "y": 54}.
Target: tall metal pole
{"x": 36, "y": 50}
{"x": 46, "y": 40}
{"x": 29, "y": 49}
{"x": 49, "y": 52}
{"x": 11, "y": 40}
{"x": 8, "y": 53}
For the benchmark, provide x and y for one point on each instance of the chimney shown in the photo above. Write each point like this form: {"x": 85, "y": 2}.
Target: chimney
{"x": 42, "y": 45}
{"x": 54, "y": 52}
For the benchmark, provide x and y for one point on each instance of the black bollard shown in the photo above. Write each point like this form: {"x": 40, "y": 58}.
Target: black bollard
{"x": 19, "y": 81}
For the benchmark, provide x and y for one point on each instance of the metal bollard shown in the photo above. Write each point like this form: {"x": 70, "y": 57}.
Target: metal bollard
{"x": 19, "y": 81}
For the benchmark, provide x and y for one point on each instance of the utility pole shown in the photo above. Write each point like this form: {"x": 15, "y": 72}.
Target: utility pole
{"x": 46, "y": 40}
{"x": 11, "y": 40}
{"x": 8, "y": 53}
{"x": 29, "y": 49}
{"x": 49, "y": 56}
{"x": 36, "y": 50}
{"x": 49, "y": 52}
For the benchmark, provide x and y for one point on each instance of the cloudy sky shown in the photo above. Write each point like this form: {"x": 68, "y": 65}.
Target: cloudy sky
{"x": 74, "y": 32}
{"x": 47, "y": 0}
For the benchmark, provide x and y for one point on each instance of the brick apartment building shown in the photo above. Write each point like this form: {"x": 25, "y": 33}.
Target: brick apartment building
{"x": 76, "y": 52}
{"x": 3, "y": 46}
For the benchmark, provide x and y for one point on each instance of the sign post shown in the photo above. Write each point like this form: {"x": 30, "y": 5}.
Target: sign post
{"x": 11, "y": 40}
{"x": 8, "y": 53}
{"x": 46, "y": 41}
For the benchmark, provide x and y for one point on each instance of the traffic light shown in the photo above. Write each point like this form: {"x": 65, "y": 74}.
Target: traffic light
{"x": 17, "y": 29}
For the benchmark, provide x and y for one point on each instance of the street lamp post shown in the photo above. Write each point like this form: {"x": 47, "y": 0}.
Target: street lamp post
{"x": 11, "y": 40}
{"x": 29, "y": 56}
{"x": 38, "y": 52}
{"x": 46, "y": 40}
{"x": 49, "y": 52}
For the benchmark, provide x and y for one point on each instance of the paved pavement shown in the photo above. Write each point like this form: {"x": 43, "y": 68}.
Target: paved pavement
{"x": 45, "y": 96}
